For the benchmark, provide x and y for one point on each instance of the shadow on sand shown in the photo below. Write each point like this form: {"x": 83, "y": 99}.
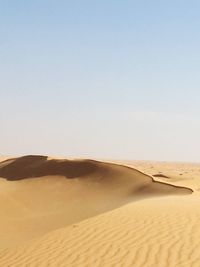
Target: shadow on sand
{"x": 37, "y": 166}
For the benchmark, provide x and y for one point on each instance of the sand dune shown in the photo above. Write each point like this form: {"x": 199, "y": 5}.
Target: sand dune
{"x": 52, "y": 215}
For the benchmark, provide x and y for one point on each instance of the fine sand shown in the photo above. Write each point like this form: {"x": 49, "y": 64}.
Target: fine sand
{"x": 57, "y": 212}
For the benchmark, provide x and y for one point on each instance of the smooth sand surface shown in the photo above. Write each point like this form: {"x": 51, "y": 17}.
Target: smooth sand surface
{"x": 89, "y": 213}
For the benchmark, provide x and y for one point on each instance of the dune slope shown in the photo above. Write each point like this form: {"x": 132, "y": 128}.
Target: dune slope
{"x": 155, "y": 232}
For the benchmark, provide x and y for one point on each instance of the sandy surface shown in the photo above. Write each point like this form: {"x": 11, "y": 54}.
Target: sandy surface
{"x": 88, "y": 213}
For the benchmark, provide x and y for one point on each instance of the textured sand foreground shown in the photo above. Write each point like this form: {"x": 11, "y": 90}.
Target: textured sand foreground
{"x": 89, "y": 213}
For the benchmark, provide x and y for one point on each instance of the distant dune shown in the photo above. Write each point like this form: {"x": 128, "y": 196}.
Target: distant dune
{"x": 144, "y": 223}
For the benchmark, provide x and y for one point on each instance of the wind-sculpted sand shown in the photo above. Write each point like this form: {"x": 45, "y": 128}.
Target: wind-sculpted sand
{"x": 89, "y": 213}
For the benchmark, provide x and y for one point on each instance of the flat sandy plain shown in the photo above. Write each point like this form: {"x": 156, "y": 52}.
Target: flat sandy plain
{"x": 87, "y": 213}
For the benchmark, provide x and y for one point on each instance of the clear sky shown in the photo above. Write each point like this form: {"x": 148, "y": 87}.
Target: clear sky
{"x": 100, "y": 79}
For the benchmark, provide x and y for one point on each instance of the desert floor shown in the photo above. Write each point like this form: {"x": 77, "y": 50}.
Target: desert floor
{"x": 58, "y": 212}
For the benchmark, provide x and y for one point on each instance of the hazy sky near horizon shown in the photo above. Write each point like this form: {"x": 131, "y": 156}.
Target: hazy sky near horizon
{"x": 100, "y": 79}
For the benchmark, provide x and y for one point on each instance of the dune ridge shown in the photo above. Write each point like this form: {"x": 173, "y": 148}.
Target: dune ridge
{"x": 33, "y": 166}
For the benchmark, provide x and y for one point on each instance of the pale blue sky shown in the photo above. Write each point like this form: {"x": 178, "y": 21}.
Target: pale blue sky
{"x": 103, "y": 79}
